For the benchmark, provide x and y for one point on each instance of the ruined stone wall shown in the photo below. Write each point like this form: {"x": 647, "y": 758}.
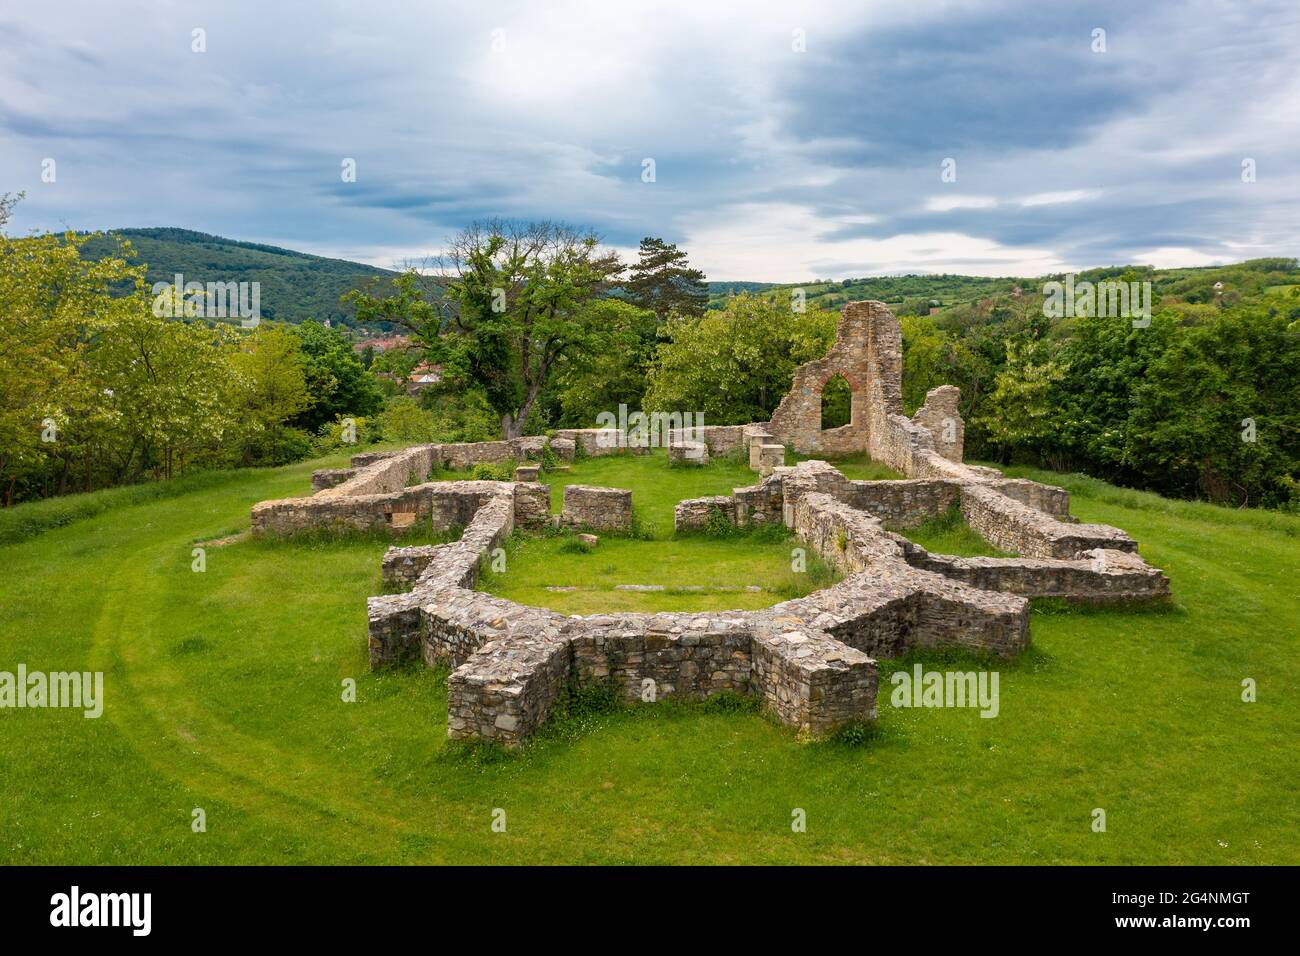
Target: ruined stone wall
{"x": 323, "y": 478}
{"x": 940, "y": 417}
{"x": 600, "y": 509}
{"x": 811, "y": 660}
{"x": 692, "y": 655}
{"x": 390, "y": 491}
{"x": 1099, "y": 577}
{"x": 440, "y": 505}
{"x": 595, "y": 442}
{"x": 695, "y": 513}
{"x": 1015, "y": 527}
{"x": 812, "y": 682}
{"x": 906, "y": 503}
{"x": 721, "y": 439}
{"x": 868, "y": 354}
{"x": 1046, "y": 498}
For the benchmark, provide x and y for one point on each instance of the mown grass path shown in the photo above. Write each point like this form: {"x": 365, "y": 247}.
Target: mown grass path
{"x": 222, "y": 691}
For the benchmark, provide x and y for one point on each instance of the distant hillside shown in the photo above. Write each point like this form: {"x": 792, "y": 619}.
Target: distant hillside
{"x": 294, "y": 285}
{"x": 943, "y": 289}
{"x": 919, "y": 294}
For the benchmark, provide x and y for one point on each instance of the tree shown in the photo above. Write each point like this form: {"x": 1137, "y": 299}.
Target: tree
{"x": 269, "y": 388}
{"x": 337, "y": 382}
{"x": 53, "y": 306}
{"x": 662, "y": 282}
{"x": 1018, "y": 412}
{"x": 165, "y": 383}
{"x": 612, "y": 370}
{"x": 515, "y": 306}
{"x": 734, "y": 364}
{"x": 1217, "y": 414}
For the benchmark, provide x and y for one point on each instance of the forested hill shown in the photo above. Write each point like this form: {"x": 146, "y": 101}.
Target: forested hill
{"x": 295, "y": 285}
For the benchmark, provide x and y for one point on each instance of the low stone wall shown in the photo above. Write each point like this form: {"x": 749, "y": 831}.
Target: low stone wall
{"x": 444, "y": 505}
{"x": 694, "y": 513}
{"x": 811, "y": 660}
{"x": 810, "y": 681}
{"x": 600, "y": 509}
{"x": 904, "y": 504}
{"x": 693, "y": 655}
{"x": 594, "y": 442}
{"x": 1011, "y": 526}
{"x": 390, "y": 491}
{"x": 721, "y": 439}
{"x": 1046, "y": 498}
{"x": 688, "y": 453}
{"x": 1098, "y": 577}
{"x": 323, "y": 478}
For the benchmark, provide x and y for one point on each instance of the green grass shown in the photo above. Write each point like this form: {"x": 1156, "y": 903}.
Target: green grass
{"x": 697, "y": 572}
{"x": 222, "y": 691}
{"x": 949, "y": 533}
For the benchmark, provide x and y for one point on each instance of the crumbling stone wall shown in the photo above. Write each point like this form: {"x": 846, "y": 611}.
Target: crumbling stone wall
{"x": 939, "y": 416}
{"x": 1012, "y": 526}
{"x": 720, "y": 439}
{"x": 812, "y": 660}
{"x": 600, "y": 509}
{"x": 390, "y": 491}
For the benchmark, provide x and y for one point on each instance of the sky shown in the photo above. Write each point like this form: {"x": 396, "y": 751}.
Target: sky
{"x": 774, "y": 141}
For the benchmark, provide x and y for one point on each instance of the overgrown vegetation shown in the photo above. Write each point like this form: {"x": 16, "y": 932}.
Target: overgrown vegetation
{"x": 536, "y": 325}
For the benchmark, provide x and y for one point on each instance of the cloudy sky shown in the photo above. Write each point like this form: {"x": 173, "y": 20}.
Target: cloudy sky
{"x": 789, "y": 141}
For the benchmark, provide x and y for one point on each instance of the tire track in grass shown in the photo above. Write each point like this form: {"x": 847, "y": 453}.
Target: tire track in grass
{"x": 150, "y": 704}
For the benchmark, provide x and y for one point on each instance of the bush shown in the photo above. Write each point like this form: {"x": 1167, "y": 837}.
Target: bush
{"x": 493, "y": 471}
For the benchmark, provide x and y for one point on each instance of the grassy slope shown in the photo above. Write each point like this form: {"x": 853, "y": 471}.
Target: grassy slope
{"x": 223, "y": 692}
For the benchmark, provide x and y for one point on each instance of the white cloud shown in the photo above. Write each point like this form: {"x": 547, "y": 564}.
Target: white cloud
{"x": 1176, "y": 257}
{"x": 949, "y": 203}
{"x": 1056, "y": 198}
{"x": 780, "y": 242}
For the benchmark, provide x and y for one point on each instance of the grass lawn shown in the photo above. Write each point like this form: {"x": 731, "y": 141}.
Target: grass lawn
{"x": 223, "y": 692}
{"x": 949, "y": 533}
{"x": 743, "y": 571}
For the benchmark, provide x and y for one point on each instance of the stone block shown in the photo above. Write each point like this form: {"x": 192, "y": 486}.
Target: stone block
{"x": 601, "y": 509}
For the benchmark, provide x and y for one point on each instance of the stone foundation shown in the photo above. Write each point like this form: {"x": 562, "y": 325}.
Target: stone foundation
{"x": 811, "y": 660}
{"x": 390, "y": 491}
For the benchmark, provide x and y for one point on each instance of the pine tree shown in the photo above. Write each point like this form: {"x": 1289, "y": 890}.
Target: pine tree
{"x": 664, "y": 283}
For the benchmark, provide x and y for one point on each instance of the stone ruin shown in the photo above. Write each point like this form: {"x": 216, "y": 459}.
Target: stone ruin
{"x": 812, "y": 660}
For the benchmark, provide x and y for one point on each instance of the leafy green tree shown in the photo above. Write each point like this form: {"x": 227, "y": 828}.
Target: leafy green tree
{"x": 269, "y": 389}
{"x": 515, "y": 307}
{"x": 53, "y": 306}
{"x": 1217, "y": 414}
{"x": 664, "y": 283}
{"x": 1018, "y": 412}
{"x": 337, "y": 383}
{"x": 735, "y": 364}
{"x": 611, "y": 370}
{"x": 166, "y": 385}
